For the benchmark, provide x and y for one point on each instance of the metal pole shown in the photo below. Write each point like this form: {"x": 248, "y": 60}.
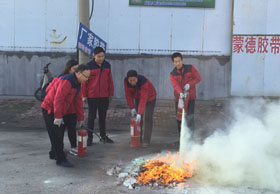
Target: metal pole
{"x": 84, "y": 19}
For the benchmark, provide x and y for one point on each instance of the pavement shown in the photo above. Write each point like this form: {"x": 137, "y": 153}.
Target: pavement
{"x": 26, "y": 168}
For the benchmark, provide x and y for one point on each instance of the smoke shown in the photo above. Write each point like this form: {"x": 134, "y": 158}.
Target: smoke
{"x": 247, "y": 153}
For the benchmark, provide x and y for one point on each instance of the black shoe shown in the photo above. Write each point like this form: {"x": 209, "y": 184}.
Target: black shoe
{"x": 89, "y": 141}
{"x": 106, "y": 139}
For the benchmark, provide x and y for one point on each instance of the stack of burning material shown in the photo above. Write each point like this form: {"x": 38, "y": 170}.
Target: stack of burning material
{"x": 166, "y": 170}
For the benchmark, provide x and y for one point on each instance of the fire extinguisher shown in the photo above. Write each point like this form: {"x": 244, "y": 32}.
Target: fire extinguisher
{"x": 183, "y": 102}
{"x": 135, "y": 135}
{"x": 82, "y": 142}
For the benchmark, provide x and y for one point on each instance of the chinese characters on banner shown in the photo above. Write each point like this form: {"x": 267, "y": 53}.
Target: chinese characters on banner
{"x": 174, "y": 3}
{"x": 87, "y": 40}
{"x": 256, "y": 44}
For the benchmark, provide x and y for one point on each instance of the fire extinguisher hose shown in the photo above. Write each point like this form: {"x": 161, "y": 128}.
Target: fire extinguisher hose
{"x": 90, "y": 130}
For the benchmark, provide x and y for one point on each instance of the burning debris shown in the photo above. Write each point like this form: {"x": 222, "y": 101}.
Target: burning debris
{"x": 165, "y": 170}
{"x": 157, "y": 171}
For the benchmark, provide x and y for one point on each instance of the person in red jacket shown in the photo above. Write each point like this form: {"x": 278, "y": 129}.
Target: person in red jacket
{"x": 71, "y": 120}
{"x": 98, "y": 91}
{"x": 184, "y": 78}
{"x": 139, "y": 88}
{"x": 62, "y": 100}
{"x": 70, "y": 67}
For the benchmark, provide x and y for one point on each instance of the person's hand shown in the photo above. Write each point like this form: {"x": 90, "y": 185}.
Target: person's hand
{"x": 187, "y": 87}
{"x": 81, "y": 123}
{"x": 138, "y": 118}
{"x": 85, "y": 99}
{"x": 182, "y": 95}
{"x": 133, "y": 112}
{"x": 58, "y": 122}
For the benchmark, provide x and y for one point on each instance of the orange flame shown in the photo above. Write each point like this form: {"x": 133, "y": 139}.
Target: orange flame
{"x": 164, "y": 170}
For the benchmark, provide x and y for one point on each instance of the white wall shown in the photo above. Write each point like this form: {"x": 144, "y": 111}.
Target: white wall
{"x": 42, "y": 25}
{"x": 256, "y": 74}
{"x": 38, "y": 25}
{"x": 162, "y": 30}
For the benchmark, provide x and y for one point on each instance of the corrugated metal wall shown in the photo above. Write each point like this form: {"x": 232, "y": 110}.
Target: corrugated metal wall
{"x": 49, "y": 25}
{"x": 46, "y": 30}
{"x": 162, "y": 30}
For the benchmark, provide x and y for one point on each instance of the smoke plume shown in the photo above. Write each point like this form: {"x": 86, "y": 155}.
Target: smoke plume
{"x": 246, "y": 153}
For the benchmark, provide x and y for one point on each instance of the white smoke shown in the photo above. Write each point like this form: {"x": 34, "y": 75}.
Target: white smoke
{"x": 247, "y": 153}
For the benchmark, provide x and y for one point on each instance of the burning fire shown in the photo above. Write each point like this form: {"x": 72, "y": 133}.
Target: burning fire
{"x": 164, "y": 170}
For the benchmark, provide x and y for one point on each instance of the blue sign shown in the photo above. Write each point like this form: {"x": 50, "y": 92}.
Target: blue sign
{"x": 87, "y": 40}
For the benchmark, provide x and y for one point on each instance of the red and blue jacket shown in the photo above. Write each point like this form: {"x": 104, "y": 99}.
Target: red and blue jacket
{"x": 53, "y": 82}
{"x": 144, "y": 91}
{"x": 100, "y": 83}
{"x": 180, "y": 77}
{"x": 64, "y": 97}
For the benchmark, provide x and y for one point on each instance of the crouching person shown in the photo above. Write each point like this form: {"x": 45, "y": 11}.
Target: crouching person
{"x": 63, "y": 99}
{"x": 139, "y": 88}
{"x": 70, "y": 121}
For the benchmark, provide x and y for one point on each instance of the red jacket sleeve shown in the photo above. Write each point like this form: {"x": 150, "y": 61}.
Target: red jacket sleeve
{"x": 63, "y": 89}
{"x": 175, "y": 84}
{"x": 128, "y": 96}
{"x": 143, "y": 98}
{"x": 79, "y": 107}
{"x": 111, "y": 84}
{"x": 195, "y": 77}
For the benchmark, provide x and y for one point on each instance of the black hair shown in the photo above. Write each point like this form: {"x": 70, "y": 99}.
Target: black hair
{"x": 174, "y": 55}
{"x": 82, "y": 68}
{"x": 98, "y": 49}
{"x": 131, "y": 73}
{"x": 69, "y": 65}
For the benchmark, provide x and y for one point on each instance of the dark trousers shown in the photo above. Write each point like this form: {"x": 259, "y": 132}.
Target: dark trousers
{"x": 56, "y": 135}
{"x": 146, "y": 130}
{"x": 189, "y": 116}
{"x": 70, "y": 122}
{"x": 100, "y": 104}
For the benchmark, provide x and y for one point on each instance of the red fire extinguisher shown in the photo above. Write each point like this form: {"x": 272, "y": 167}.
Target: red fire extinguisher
{"x": 135, "y": 139}
{"x": 182, "y": 103}
{"x": 82, "y": 142}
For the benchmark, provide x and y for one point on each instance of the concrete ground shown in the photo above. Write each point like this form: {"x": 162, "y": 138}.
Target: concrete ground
{"x": 26, "y": 168}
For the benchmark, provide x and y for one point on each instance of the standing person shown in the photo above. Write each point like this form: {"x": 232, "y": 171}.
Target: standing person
{"x": 139, "y": 88}
{"x": 184, "y": 78}
{"x": 71, "y": 121}
{"x": 98, "y": 91}
{"x": 63, "y": 99}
